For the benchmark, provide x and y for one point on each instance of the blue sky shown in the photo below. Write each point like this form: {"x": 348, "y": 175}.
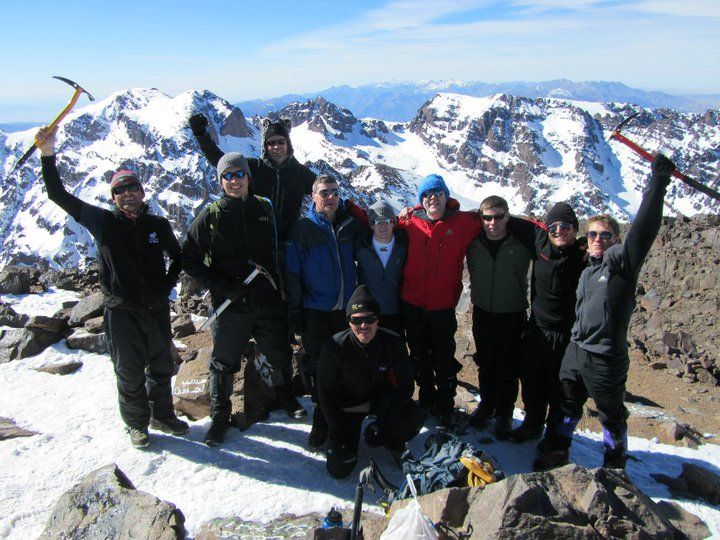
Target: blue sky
{"x": 243, "y": 50}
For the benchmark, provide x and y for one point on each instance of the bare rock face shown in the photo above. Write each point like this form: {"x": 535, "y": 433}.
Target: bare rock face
{"x": 252, "y": 398}
{"x": 96, "y": 343}
{"x": 105, "y": 504}
{"x": 65, "y": 368}
{"x": 570, "y": 502}
{"x": 694, "y": 482}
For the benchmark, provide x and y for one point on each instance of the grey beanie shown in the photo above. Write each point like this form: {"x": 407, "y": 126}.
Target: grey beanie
{"x": 232, "y": 160}
{"x": 380, "y": 210}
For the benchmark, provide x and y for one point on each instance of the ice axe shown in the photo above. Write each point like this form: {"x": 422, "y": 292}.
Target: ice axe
{"x": 73, "y": 100}
{"x": 648, "y": 156}
{"x": 252, "y": 275}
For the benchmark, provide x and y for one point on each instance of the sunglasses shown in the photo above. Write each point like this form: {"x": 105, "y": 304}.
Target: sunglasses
{"x": 604, "y": 235}
{"x": 275, "y": 142}
{"x": 132, "y": 188}
{"x": 367, "y": 319}
{"x": 433, "y": 193}
{"x": 496, "y": 217}
{"x": 560, "y": 226}
{"x": 384, "y": 221}
{"x": 325, "y": 193}
{"x": 235, "y": 174}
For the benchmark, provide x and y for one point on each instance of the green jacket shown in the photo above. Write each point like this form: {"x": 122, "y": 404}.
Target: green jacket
{"x": 500, "y": 285}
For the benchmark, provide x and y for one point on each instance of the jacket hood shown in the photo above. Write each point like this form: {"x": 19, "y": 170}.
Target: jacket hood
{"x": 281, "y": 127}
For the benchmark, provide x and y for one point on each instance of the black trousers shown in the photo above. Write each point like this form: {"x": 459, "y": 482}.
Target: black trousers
{"x": 235, "y": 326}
{"x": 498, "y": 351}
{"x": 139, "y": 343}
{"x": 394, "y": 322}
{"x": 584, "y": 374}
{"x": 543, "y": 351}
{"x": 431, "y": 340}
{"x": 318, "y": 328}
{"x": 344, "y": 439}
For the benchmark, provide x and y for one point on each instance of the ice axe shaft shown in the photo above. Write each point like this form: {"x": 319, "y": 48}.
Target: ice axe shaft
{"x": 252, "y": 275}
{"x": 648, "y": 156}
{"x": 79, "y": 90}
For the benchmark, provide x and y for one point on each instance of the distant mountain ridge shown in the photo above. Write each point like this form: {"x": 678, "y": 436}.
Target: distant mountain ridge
{"x": 399, "y": 100}
{"x": 533, "y": 152}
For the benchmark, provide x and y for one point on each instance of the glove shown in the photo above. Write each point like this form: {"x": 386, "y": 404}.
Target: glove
{"x": 198, "y": 124}
{"x": 374, "y": 435}
{"x": 662, "y": 168}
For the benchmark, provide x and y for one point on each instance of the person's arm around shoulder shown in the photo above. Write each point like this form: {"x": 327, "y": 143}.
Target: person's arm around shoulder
{"x": 198, "y": 125}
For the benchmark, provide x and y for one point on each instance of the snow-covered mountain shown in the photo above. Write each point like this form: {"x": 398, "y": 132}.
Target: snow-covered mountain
{"x": 399, "y": 100}
{"x": 534, "y": 152}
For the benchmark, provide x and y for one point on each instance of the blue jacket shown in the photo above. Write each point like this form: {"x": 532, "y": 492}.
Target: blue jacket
{"x": 320, "y": 268}
{"x": 383, "y": 281}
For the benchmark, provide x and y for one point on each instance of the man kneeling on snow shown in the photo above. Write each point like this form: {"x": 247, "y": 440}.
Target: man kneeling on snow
{"x": 365, "y": 371}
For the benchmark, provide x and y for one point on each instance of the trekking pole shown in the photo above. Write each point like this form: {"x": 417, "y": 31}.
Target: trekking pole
{"x": 355, "y": 530}
{"x": 648, "y": 156}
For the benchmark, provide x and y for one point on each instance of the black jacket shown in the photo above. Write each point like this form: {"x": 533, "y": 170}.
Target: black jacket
{"x": 243, "y": 232}
{"x": 285, "y": 186}
{"x": 132, "y": 251}
{"x": 555, "y": 275}
{"x": 351, "y": 374}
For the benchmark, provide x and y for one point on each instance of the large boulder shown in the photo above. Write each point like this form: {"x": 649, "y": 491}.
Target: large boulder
{"x": 252, "y": 399}
{"x": 87, "y": 308}
{"x": 9, "y": 317}
{"x": 16, "y": 343}
{"x": 9, "y": 430}
{"x": 16, "y": 279}
{"x": 105, "y": 504}
{"x": 694, "y": 482}
{"x": 570, "y": 502}
{"x": 86, "y": 341}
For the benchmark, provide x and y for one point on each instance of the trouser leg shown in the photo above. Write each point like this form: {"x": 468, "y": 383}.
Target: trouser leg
{"x": 417, "y": 331}
{"x": 507, "y": 353}
{"x": 484, "y": 358}
{"x": 442, "y": 326}
{"x": 343, "y": 445}
{"x": 160, "y": 366}
{"x": 403, "y": 425}
{"x": 231, "y": 334}
{"x": 574, "y": 394}
{"x": 271, "y": 334}
{"x": 128, "y": 351}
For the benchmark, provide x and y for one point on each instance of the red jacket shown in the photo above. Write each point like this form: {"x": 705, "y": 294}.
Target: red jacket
{"x": 432, "y": 277}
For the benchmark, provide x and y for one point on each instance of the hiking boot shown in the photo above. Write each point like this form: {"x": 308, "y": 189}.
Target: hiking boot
{"x": 216, "y": 433}
{"x": 614, "y": 460}
{"x": 139, "y": 438}
{"x": 481, "y": 417}
{"x": 286, "y": 399}
{"x": 173, "y": 425}
{"x": 551, "y": 459}
{"x": 319, "y": 431}
{"x": 503, "y": 427}
{"x": 525, "y": 432}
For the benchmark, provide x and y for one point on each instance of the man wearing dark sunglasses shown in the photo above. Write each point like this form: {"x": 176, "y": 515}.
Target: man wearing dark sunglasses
{"x": 132, "y": 247}
{"x": 596, "y": 360}
{"x": 364, "y": 370}
{"x": 224, "y": 243}
{"x": 276, "y": 175}
{"x": 320, "y": 277}
{"x": 559, "y": 259}
{"x": 498, "y": 264}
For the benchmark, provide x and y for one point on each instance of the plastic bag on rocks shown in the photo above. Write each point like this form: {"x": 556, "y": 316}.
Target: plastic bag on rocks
{"x": 410, "y": 523}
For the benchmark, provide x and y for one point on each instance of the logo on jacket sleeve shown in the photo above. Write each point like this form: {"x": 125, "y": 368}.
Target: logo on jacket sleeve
{"x": 153, "y": 238}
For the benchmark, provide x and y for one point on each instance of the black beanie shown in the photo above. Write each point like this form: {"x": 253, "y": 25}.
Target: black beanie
{"x": 562, "y": 211}
{"x": 362, "y": 300}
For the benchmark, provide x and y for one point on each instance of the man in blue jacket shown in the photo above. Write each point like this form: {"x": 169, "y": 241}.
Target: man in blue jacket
{"x": 596, "y": 360}
{"x": 320, "y": 277}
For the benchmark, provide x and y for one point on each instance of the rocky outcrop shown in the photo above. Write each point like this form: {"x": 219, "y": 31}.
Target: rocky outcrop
{"x": 16, "y": 343}
{"x": 9, "y": 430}
{"x": 87, "y": 308}
{"x": 677, "y": 317}
{"x": 16, "y": 279}
{"x": 569, "y": 502}
{"x": 105, "y": 504}
{"x": 694, "y": 482}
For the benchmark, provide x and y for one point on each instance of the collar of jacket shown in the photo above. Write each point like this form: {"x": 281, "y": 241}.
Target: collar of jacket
{"x": 144, "y": 209}
{"x": 319, "y": 219}
{"x": 232, "y": 203}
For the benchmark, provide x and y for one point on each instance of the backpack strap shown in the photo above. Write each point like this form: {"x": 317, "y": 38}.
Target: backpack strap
{"x": 214, "y": 215}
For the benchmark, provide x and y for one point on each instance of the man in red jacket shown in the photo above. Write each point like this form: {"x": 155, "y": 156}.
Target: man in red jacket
{"x": 438, "y": 236}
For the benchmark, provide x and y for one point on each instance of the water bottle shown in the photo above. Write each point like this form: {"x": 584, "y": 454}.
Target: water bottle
{"x": 333, "y": 519}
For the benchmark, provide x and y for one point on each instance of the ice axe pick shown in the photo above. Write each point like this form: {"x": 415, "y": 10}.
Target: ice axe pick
{"x": 648, "y": 156}
{"x": 73, "y": 100}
